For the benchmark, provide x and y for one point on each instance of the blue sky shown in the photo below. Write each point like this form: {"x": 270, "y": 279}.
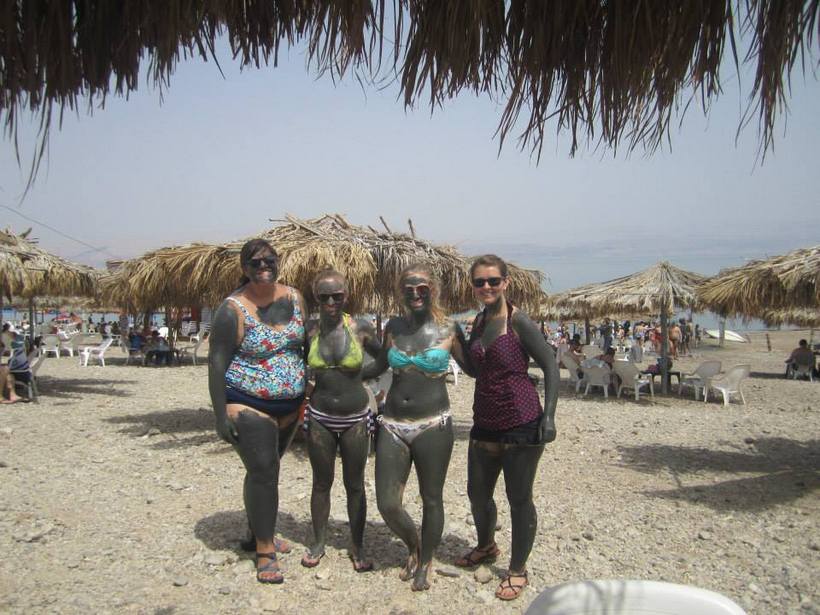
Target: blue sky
{"x": 216, "y": 158}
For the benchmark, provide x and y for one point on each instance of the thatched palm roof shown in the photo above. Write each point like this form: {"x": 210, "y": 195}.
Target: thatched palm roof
{"x": 660, "y": 288}
{"x": 370, "y": 259}
{"x": 799, "y": 317}
{"x": 783, "y": 282}
{"x": 28, "y": 271}
{"x": 606, "y": 71}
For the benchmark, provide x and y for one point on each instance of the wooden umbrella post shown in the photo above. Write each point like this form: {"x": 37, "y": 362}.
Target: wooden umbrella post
{"x": 586, "y": 329}
{"x": 664, "y": 352}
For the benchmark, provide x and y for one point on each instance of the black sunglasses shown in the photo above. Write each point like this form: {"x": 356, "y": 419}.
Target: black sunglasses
{"x": 256, "y": 263}
{"x": 334, "y": 297}
{"x": 479, "y": 282}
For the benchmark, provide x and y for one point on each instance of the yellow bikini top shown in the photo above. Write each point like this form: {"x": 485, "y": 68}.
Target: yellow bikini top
{"x": 352, "y": 360}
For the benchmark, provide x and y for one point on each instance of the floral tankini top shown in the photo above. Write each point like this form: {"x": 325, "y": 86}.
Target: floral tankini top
{"x": 270, "y": 363}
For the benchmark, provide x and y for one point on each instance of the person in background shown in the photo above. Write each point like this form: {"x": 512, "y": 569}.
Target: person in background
{"x": 124, "y": 323}
{"x": 636, "y": 350}
{"x": 606, "y": 334}
{"x": 802, "y": 355}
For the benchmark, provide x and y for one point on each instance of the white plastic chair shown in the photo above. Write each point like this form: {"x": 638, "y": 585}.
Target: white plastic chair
{"x": 95, "y": 351}
{"x": 597, "y": 376}
{"x": 731, "y": 383}
{"x": 701, "y": 378}
{"x": 50, "y": 344}
{"x": 454, "y": 369}
{"x": 801, "y": 371}
{"x": 192, "y": 349}
{"x": 572, "y": 367}
{"x": 631, "y": 378}
{"x": 630, "y": 597}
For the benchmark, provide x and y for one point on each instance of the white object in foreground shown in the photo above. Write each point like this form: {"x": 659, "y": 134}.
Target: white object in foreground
{"x": 630, "y": 597}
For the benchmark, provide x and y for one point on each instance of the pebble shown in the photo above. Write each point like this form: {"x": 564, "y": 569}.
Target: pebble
{"x": 588, "y": 535}
{"x": 224, "y": 590}
{"x": 215, "y": 559}
{"x": 180, "y": 582}
{"x": 323, "y": 574}
{"x": 704, "y": 535}
{"x": 3, "y": 464}
{"x": 448, "y": 571}
{"x": 483, "y": 574}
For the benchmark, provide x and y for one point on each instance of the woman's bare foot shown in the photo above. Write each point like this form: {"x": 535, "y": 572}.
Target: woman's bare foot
{"x": 409, "y": 570}
{"x": 420, "y": 582}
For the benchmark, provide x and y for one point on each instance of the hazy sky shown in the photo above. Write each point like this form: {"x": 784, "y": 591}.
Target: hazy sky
{"x": 216, "y": 158}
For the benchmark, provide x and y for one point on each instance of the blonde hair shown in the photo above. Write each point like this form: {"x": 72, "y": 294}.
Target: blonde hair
{"x": 435, "y": 308}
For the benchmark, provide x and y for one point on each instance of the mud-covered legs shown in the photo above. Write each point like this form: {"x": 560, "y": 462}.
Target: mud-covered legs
{"x": 519, "y": 463}
{"x": 430, "y": 451}
{"x": 354, "y": 444}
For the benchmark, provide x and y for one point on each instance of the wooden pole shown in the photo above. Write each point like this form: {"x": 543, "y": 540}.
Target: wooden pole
{"x": 586, "y": 329}
{"x": 664, "y": 352}
{"x": 768, "y": 343}
{"x": 379, "y": 326}
{"x": 722, "y": 331}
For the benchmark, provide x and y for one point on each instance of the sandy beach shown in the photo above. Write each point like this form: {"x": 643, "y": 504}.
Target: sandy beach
{"x": 117, "y": 496}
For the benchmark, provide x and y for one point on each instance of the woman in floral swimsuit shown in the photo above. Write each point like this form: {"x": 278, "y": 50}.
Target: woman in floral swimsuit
{"x": 256, "y": 379}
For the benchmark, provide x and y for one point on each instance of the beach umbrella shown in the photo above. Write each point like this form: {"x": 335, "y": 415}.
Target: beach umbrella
{"x": 659, "y": 289}
{"x": 27, "y": 271}
{"x": 799, "y": 317}
{"x": 787, "y": 282}
{"x": 607, "y": 72}
{"x": 370, "y": 259}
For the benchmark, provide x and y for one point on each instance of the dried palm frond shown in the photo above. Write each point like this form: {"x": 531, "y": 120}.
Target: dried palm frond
{"x": 370, "y": 260}
{"x": 787, "y": 282}
{"x": 607, "y": 72}
{"x": 660, "y": 288}
{"x": 29, "y": 271}
{"x": 799, "y": 317}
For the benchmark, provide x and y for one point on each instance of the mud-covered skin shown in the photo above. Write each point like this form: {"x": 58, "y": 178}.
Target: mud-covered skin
{"x": 339, "y": 392}
{"x": 486, "y": 460}
{"x": 415, "y": 396}
{"x": 260, "y": 440}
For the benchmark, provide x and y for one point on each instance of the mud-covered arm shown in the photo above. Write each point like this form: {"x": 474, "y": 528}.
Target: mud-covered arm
{"x": 379, "y": 364}
{"x": 223, "y": 345}
{"x": 544, "y": 356}
{"x": 368, "y": 337}
{"x": 460, "y": 353}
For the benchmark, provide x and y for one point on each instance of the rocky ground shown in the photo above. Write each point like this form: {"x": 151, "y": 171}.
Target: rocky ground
{"x": 118, "y": 497}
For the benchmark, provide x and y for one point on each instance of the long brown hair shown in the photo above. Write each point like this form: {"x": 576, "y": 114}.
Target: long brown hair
{"x": 435, "y": 308}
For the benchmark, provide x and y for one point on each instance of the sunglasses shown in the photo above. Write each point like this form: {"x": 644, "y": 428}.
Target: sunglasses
{"x": 422, "y": 290}
{"x": 493, "y": 282}
{"x": 256, "y": 263}
{"x": 331, "y": 297}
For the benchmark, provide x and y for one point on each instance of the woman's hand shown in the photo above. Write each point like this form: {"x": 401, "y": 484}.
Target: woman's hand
{"x": 546, "y": 429}
{"x": 226, "y": 428}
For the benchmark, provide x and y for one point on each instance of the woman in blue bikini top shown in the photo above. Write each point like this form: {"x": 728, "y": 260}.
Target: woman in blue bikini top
{"x": 415, "y": 427}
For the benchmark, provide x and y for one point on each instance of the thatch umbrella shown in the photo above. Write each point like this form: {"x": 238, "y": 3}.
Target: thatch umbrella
{"x": 28, "y": 271}
{"x": 799, "y": 317}
{"x": 370, "y": 259}
{"x": 657, "y": 290}
{"x": 614, "y": 71}
{"x": 787, "y": 282}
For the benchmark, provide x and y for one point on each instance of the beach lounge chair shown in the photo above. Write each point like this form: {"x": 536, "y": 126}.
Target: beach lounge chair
{"x": 95, "y": 351}
{"x": 50, "y": 344}
{"x": 631, "y": 378}
{"x": 731, "y": 383}
{"x": 572, "y": 367}
{"x": 28, "y": 377}
{"x": 628, "y": 596}
{"x": 701, "y": 378}
{"x": 597, "y": 376}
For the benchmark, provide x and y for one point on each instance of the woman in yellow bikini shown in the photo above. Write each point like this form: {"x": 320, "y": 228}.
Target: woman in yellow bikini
{"x": 338, "y": 416}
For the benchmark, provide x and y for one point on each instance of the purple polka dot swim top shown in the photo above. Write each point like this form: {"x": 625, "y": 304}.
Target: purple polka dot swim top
{"x": 504, "y": 395}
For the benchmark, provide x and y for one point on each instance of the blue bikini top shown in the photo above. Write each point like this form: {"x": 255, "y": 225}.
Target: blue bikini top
{"x": 432, "y": 360}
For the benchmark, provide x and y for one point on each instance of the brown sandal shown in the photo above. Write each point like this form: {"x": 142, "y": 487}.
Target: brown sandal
{"x": 478, "y": 556}
{"x": 509, "y": 590}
